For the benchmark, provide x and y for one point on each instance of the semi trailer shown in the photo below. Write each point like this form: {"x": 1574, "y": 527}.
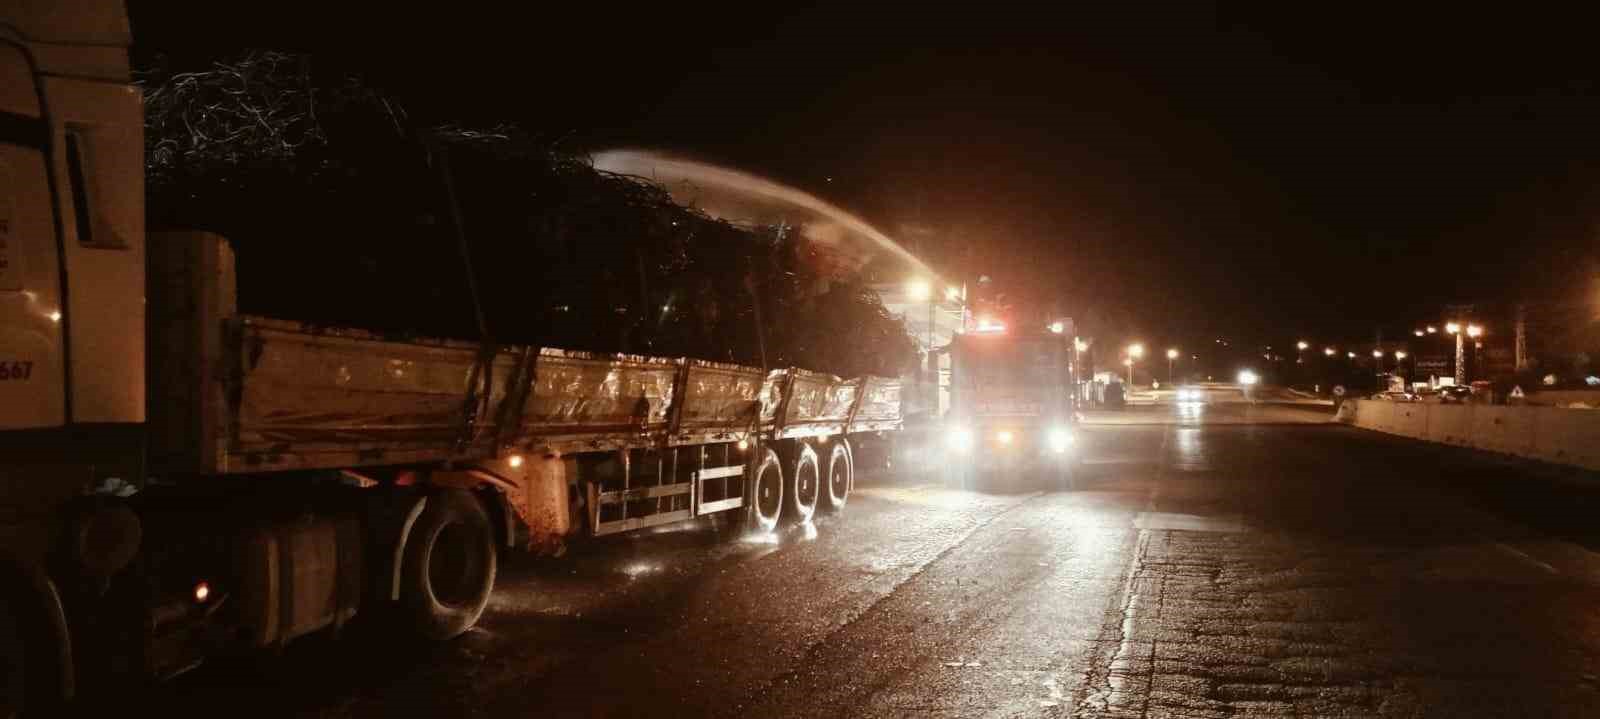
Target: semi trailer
{"x": 179, "y": 479}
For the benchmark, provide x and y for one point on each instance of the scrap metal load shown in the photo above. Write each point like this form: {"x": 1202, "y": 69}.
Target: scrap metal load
{"x": 245, "y": 394}
{"x": 292, "y": 396}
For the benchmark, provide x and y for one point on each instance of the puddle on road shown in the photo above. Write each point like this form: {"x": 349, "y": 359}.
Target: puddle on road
{"x": 1189, "y": 522}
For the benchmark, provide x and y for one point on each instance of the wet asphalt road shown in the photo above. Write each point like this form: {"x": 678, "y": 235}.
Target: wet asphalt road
{"x": 1200, "y": 570}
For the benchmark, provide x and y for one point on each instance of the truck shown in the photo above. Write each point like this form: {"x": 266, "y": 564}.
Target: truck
{"x": 180, "y": 479}
{"x": 1013, "y": 407}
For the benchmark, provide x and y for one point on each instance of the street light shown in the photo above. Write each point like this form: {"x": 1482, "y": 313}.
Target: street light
{"x": 1350, "y": 355}
{"x": 922, "y": 291}
{"x": 1461, "y": 347}
{"x": 1329, "y": 351}
{"x": 1418, "y": 333}
{"x": 1302, "y": 344}
{"x": 1475, "y": 331}
{"x": 1058, "y": 327}
{"x": 1172, "y": 356}
{"x": 1135, "y": 351}
{"x": 1432, "y": 330}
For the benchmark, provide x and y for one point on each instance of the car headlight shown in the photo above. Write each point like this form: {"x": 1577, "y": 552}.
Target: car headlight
{"x": 959, "y": 438}
{"x": 1060, "y": 439}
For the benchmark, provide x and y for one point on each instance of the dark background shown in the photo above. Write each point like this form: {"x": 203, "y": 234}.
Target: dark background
{"x": 1190, "y": 171}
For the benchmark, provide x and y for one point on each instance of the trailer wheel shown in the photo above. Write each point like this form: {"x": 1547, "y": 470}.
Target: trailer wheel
{"x": 449, "y": 566}
{"x": 840, "y": 478}
{"x": 764, "y": 498}
{"x": 13, "y": 663}
{"x": 801, "y": 493}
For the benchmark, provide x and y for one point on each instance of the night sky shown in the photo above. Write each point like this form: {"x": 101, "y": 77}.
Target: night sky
{"x": 1198, "y": 171}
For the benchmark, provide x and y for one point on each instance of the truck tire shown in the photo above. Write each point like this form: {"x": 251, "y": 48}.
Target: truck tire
{"x": 32, "y": 655}
{"x": 449, "y": 566}
{"x": 765, "y": 495}
{"x": 801, "y": 493}
{"x": 13, "y": 663}
{"x": 840, "y": 477}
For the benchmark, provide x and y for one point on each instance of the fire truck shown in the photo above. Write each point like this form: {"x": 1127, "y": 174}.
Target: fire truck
{"x": 1013, "y": 407}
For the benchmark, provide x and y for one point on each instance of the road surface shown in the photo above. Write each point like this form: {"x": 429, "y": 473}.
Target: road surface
{"x": 1200, "y": 571}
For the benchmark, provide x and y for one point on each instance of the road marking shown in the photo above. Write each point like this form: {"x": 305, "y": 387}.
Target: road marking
{"x": 1513, "y": 551}
{"x": 1189, "y": 522}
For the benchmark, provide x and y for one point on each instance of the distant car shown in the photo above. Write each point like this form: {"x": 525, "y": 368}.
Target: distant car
{"x": 1455, "y": 394}
{"x": 1397, "y": 396}
{"x": 1114, "y": 398}
{"x": 1191, "y": 394}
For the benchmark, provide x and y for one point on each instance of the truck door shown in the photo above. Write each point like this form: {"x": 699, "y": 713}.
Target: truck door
{"x": 97, "y": 162}
{"x": 32, "y": 384}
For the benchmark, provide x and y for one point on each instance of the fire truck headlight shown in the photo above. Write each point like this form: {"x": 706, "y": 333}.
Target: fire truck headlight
{"x": 959, "y": 439}
{"x": 1060, "y": 439}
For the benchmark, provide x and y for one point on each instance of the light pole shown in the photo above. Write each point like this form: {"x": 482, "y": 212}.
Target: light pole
{"x": 1299, "y": 348}
{"x": 1135, "y": 351}
{"x": 1473, "y": 331}
{"x": 1461, "y": 352}
{"x": 957, "y": 296}
{"x": 1400, "y": 362}
{"x": 1172, "y": 356}
{"x": 1129, "y": 364}
{"x": 920, "y": 290}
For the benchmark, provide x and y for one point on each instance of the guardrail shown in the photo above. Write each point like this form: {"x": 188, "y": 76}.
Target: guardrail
{"x": 1561, "y": 436}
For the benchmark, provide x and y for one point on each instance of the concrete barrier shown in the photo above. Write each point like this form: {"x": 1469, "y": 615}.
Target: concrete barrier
{"x": 1503, "y": 429}
{"x": 1450, "y": 424}
{"x": 1373, "y": 414}
{"x": 1562, "y": 436}
{"x": 1567, "y": 436}
{"x": 1409, "y": 419}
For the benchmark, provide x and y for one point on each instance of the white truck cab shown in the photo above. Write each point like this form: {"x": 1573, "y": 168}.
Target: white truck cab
{"x": 71, "y": 218}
